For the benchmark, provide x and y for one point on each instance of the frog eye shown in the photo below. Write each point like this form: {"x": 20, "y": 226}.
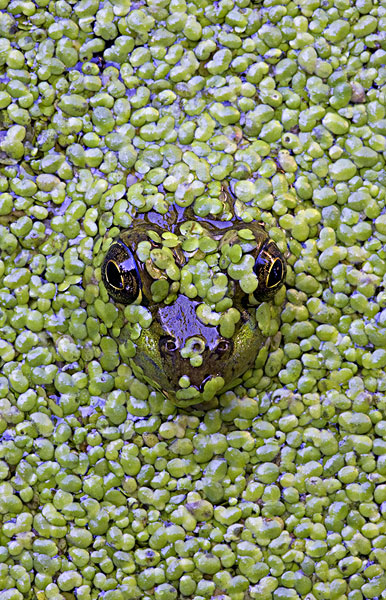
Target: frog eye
{"x": 270, "y": 269}
{"x": 120, "y": 274}
{"x": 275, "y": 273}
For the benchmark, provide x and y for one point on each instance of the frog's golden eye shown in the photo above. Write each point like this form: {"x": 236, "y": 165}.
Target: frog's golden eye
{"x": 120, "y": 274}
{"x": 270, "y": 269}
{"x": 275, "y": 273}
{"x": 114, "y": 276}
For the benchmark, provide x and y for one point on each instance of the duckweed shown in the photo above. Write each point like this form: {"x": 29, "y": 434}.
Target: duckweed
{"x": 109, "y": 112}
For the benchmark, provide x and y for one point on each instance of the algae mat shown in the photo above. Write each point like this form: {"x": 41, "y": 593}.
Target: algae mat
{"x": 108, "y": 110}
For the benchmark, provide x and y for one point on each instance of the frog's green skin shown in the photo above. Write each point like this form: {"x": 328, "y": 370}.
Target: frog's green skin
{"x": 204, "y": 335}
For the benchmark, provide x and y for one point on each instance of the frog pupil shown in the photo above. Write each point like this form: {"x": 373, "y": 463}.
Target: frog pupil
{"x": 275, "y": 273}
{"x": 113, "y": 275}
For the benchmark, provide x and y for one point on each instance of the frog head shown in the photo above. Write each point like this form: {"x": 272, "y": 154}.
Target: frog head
{"x": 200, "y": 283}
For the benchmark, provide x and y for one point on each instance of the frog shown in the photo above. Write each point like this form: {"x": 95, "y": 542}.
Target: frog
{"x": 197, "y": 283}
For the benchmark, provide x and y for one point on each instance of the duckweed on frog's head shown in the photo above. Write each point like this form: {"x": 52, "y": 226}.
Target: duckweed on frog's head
{"x": 196, "y": 286}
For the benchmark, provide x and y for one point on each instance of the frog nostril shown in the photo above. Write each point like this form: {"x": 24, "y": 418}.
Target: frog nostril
{"x": 223, "y": 346}
{"x": 168, "y": 344}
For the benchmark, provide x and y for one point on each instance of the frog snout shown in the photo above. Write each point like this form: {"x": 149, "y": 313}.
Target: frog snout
{"x": 194, "y": 357}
